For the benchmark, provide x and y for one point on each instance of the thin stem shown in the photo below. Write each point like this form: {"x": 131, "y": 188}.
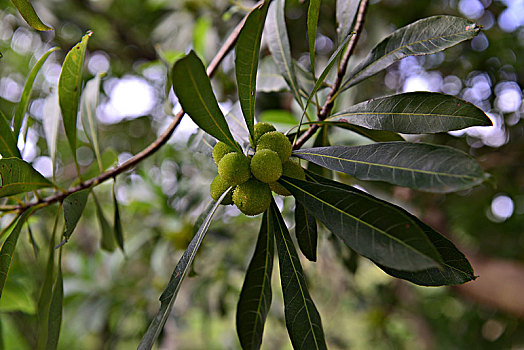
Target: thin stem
{"x": 330, "y": 100}
{"x": 149, "y": 150}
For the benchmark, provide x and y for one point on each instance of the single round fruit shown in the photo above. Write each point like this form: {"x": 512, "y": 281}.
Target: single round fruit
{"x": 252, "y": 197}
{"x": 266, "y": 166}
{"x": 262, "y": 128}
{"x": 234, "y": 169}
{"x": 220, "y": 150}
{"x": 219, "y": 186}
{"x": 289, "y": 169}
{"x": 277, "y": 142}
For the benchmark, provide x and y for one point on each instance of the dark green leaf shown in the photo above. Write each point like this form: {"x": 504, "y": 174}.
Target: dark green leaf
{"x": 17, "y": 176}
{"x": 119, "y": 232}
{"x": 193, "y": 89}
{"x": 107, "y": 241}
{"x": 8, "y": 248}
{"x": 28, "y": 13}
{"x": 55, "y": 309}
{"x": 302, "y": 318}
{"x": 8, "y": 146}
{"x": 375, "y": 135}
{"x": 74, "y": 205}
{"x": 246, "y": 62}
{"x": 312, "y": 22}
{"x": 278, "y": 43}
{"x": 306, "y": 232}
{"x": 346, "y": 11}
{"x": 420, "y": 166}
{"x": 382, "y": 233}
{"x": 69, "y": 87}
{"x": 21, "y": 108}
{"x": 167, "y": 299}
{"x": 414, "y": 113}
{"x": 255, "y": 296}
{"x": 423, "y": 37}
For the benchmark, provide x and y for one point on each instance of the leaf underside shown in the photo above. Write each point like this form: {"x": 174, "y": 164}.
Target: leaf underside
{"x": 27, "y": 11}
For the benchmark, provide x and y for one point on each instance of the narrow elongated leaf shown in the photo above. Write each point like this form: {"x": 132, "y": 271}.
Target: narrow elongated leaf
{"x": 419, "y": 166}
{"x": 382, "y": 233}
{"x": 55, "y": 309}
{"x": 306, "y": 232}
{"x": 167, "y": 299}
{"x": 119, "y": 232}
{"x": 302, "y": 318}
{"x": 246, "y": 62}
{"x": 50, "y": 123}
{"x": 69, "y": 87}
{"x": 423, "y": 37}
{"x": 17, "y": 176}
{"x": 107, "y": 241}
{"x": 414, "y": 113}
{"x": 8, "y": 248}
{"x": 255, "y": 296}
{"x": 28, "y": 13}
{"x": 278, "y": 43}
{"x": 88, "y": 105}
{"x": 74, "y": 205}
{"x": 8, "y": 146}
{"x": 346, "y": 11}
{"x": 312, "y": 22}
{"x": 21, "y": 108}
{"x": 193, "y": 89}
{"x": 455, "y": 269}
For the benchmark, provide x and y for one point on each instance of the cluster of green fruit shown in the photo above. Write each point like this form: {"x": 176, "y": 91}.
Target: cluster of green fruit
{"x": 253, "y": 177}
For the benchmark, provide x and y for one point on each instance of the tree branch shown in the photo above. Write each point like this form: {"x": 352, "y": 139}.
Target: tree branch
{"x": 330, "y": 100}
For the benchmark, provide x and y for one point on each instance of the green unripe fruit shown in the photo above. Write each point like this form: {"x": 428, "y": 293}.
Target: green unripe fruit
{"x": 220, "y": 150}
{"x": 277, "y": 142}
{"x": 219, "y": 186}
{"x": 266, "y": 166}
{"x": 252, "y": 197}
{"x": 261, "y": 129}
{"x": 234, "y": 169}
{"x": 289, "y": 169}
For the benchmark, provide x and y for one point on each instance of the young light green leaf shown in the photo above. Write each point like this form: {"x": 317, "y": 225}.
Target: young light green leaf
{"x": 302, "y": 318}
{"x": 455, "y": 269}
{"x": 193, "y": 89}
{"x": 8, "y": 146}
{"x": 69, "y": 86}
{"x": 278, "y": 43}
{"x": 88, "y": 105}
{"x": 55, "y": 309}
{"x": 423, "y": 37}
{"x": 50, "y": 123}
{"x": 382, "y": 233}
{"x": 167, "y": 299}
{"x": 246, "y": 62}
{"x": 107, "y": 241}
{"x": 420, "y": 166}
{"x": 346, "y": 11}
{"x": 21, "y": 108}
{"x": 306, "y": 232}
{"x": 414, "y": 113}
{"x": 74, "y": 205}
{"x": 8, "y": 248}
{"x": 17, "y": 176}
{"x": 312, "y": 23}
{"x": 255, "y": 296}
{"x": 27, "y": 11}
{"x": 119, "y": 232}
{"x": 17, "y": 297}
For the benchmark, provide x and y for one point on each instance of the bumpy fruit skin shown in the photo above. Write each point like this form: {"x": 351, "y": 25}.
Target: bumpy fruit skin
{"x": 234, "y": 168}
{"x": 289, "y": 169}
{"x": 220, "y": 150}
{"x": 219, "y": 186}
{"x": 266, "y": 166}
{"x": 252, "y": 197}
{"x": 262, "y": 128}
{"x": 277, "y": 142}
